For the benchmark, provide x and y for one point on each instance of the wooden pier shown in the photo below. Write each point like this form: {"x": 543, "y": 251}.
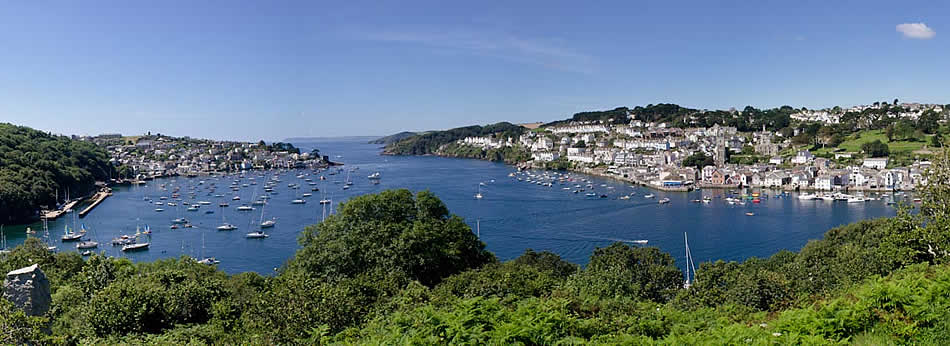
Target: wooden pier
{"x": 53, "y": 214}
{"x": 98, "y": 198}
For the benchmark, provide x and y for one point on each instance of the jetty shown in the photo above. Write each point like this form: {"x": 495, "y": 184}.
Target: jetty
{"x": 53, "y": 214}
{"x": 97, "y": 198}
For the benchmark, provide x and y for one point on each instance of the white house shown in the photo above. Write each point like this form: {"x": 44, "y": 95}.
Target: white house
{"x": 802, "y": 157}
{"x": 875, "y": 162}
{"x": 545, "y": 156}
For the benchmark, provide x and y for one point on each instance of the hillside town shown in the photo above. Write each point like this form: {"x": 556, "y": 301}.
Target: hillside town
{"x": 657, "y": 155}
{"x": 151, "y": 156}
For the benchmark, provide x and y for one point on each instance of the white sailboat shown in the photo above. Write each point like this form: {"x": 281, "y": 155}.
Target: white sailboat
{"x": 267, "y": 223}
{"x": 137, "y": 245}
{"x": 689, "y": 265}
{"x": 86, "y": 244}
{"x": 224, "y": 225}
{"x": 478, "y": 193}
{"x": 206, "y": 260}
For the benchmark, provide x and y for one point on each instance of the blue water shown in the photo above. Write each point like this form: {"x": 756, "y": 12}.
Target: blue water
{"x": 514, "y": 215}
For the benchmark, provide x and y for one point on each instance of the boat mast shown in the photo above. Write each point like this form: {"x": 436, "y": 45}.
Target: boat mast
{"x": 686, "y": 239}
{"x": 478, "y": 228}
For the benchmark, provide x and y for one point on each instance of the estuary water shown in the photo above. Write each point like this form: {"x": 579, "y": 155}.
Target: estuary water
{"x": 512, "y": 216}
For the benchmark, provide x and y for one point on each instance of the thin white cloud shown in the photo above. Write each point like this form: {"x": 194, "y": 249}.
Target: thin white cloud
{"x": 919, "y": 31}
{"x": 547, "y": 53}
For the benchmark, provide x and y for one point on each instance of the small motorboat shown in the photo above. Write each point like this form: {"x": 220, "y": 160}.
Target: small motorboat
{"x": 257, "y": 235}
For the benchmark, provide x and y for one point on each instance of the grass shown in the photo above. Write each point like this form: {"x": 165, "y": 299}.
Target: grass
{"x": 902, "y": 152}
{"x": 854, "y": 142}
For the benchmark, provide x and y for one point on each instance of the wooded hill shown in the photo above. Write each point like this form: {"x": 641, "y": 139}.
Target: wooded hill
{"x": 35, "y": 164}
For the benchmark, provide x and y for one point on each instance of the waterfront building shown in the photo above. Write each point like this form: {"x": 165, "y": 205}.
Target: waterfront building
{"x": 875, "y": 163}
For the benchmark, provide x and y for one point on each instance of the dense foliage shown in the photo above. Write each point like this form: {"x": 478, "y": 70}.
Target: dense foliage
{"x": 392, "y": 138}
{"x": 34, "y": 165}
{"x": 875, "y": 149}
{"x": 698, "y": 160}
{"x": 430, "y": 142}
{"x": 511, "y": 155}
{"x": 397, "y": 268}
{"x": 619, "y": 115}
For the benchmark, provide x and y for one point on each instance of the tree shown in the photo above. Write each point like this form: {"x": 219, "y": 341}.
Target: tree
{"x": 936, "y": 141}
{"x": 390, "y": 232}
{"x": 623, "y": 270}
{"x": 876, "y": 149}
{"x": 699, "y": 160}
{"x": 895, "y": 102}
{"x": 889, "y": 132}
{"x": 929, "y": 122}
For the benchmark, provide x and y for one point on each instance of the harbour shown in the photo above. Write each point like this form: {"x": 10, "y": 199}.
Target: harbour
{"x": 511, "y": 217}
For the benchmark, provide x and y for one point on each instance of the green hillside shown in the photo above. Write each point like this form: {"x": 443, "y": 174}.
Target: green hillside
{"x": 35, "y": 164}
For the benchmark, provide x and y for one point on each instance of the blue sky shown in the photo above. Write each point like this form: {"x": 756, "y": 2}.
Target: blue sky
{"x": 272, "y": 70}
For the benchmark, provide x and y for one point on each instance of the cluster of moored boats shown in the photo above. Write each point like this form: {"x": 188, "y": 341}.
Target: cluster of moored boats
{"x": 576, "y": 185}
{"x": 186, "y": 196}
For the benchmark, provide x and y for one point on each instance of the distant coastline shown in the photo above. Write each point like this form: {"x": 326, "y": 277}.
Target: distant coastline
{"x": 321, "y": 139}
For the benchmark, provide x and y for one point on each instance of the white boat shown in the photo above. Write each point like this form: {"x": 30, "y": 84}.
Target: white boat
{"x": 649, "y": 195}
{"x": 298, "y": 201}
{"x": 135, "y": 247}
{"x": 209, "y": 261}
{"x": 268, "y": 223}
{"x": 640, "y": 241}
{"x": 236, "y": 198}
{"x": 374, "y": 175}
{"x": 227, "y": 227}
{"x": 664, "y": 201}
{"x": 245, "y": 208}
{"x": 478, "y": 193}
{"x": 70, "y": 235}
{"x": 807, "y": 197}
{"x": 306, "y": 195}
{"x": 88, "y": 244}
{"x": 857, "y": 200}
{"x": 193, "y": 208}
{"x": 204, "y": 203}
{"x": 257, "y": 235}
{"x": 159, "y": 210}
{"x": 689, "y": 264}
{"x": 180, "y": 220}
{"x": 325, "y": 201}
